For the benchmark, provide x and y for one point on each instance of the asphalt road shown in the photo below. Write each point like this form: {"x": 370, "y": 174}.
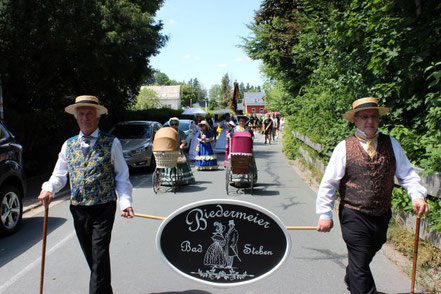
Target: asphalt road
{"x": 316, "y": 263}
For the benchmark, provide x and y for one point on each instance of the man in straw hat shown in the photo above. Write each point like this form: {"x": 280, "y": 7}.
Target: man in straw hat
{"x": 362, "y": 168}
{"x": 98, "y": 176}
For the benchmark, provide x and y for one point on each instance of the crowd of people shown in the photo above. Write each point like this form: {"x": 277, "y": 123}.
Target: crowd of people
{"x": 362, "y": 169}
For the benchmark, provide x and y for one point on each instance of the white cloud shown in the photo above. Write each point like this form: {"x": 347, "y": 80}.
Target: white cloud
{"x": 239, "y": 59}
{"x": 171, "y": 21}
{"x": 197, "y": 58}
{"x": 187, "y": 56}
{"x": 222, "y": 65}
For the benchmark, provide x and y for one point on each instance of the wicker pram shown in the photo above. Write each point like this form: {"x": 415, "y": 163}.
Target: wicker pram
{"x": 166, "y": 147}
{"x": 240, "y": 167}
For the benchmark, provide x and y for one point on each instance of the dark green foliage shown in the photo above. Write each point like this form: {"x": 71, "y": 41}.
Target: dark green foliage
{"x": 319, "y": 56}
{"x": 54, "y": 50}
{"x": 322, "y": 55}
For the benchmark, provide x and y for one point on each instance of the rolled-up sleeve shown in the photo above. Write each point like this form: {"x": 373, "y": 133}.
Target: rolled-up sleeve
{"x": 331, "y": 180}
{"x": 124, "y": 187}
{"x": 406, "y": 174}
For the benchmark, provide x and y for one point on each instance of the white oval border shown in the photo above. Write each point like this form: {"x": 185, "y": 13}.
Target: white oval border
{"x": 224, "y": 201}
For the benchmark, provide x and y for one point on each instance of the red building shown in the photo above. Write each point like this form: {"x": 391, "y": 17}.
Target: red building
{"x": 254, "y": 103}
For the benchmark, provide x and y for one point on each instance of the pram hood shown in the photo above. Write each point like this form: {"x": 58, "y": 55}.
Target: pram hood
{"x": 166, "y": 139}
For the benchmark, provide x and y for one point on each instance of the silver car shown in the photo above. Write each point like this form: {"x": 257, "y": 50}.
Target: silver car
{"x": 137, "y": 140}
{"x": 185, "y": 125}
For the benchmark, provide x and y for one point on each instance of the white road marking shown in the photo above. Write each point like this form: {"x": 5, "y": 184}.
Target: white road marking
{"x": 32, "y": 265}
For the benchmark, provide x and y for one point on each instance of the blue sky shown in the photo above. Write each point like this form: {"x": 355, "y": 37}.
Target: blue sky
{"x": 203, "y": 39}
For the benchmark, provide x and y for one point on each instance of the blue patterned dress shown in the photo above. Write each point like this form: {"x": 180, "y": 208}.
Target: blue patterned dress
{"x": 205, "y": 160}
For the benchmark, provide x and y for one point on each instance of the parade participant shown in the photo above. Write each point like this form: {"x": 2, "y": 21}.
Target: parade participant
{"x": 362, "y": 168}
{"x": 183, "y": 169}
{"x": 205, "y": 160}
{"x": 273, "y": 117}
{"x": 98, "y": 176}
{"x": 231, "y": 126}
{"x": 192, "y": 153}
{"x": 241, "y": 127}
{"x": 268, "y": 128}
{"x": 222, "y": 139}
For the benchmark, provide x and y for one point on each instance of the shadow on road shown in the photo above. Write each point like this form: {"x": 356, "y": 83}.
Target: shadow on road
{"x": 263, "y": 154}
{"x": 327, "y": 254}
{"x": 29, "y": 234}
{"x": 183, "y": 292}
{"x": 290, "y": 202}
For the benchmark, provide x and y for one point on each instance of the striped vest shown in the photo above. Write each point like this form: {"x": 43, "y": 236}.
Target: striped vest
{"x": 92, "y": 178}
{"x": 368, "y": 182}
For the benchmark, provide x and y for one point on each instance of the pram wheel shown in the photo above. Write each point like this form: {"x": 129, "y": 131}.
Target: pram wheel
{"x": 156, "y": 181}
{"x": 227, "y": 178}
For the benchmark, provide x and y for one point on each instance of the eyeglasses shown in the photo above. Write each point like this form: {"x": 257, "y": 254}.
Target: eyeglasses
{"x": 366, "y": 117}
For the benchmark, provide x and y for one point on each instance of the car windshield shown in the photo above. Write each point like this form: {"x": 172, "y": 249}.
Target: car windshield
{"x": 183, "y": 125}
{"x": 131, "y": 131}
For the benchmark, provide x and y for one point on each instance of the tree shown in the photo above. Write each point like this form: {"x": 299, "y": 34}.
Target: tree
{"x": 147, "y": 99}
{"x": 193, "y": 92}
{"x": 225, "y": 91}
{"x": 51, "y": 53}
{"x": 214, "y": 93}
{"x": 161, "y": 79}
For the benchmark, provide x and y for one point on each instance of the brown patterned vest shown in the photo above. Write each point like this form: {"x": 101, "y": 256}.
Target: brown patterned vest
{"x": 368, "y": 182}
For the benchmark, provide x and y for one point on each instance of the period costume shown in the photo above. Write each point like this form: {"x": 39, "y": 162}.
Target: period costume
{"x": 192, "y": 152}
{"x": 362, "y": 169}
{"x": 183, "y": 169}
{"x": 206, "y": 159}
{"x": 99, "y": 177}
{"x": 222, "y": 139}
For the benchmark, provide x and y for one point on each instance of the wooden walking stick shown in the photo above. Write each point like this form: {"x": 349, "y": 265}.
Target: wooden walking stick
{"x": 43, "y": 251}
{"x": 415, "y": 253}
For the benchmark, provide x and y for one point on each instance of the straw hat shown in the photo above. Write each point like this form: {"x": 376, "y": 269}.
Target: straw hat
{"x": 86, "y": 100}
{"x": 364, "y": 104}
{"x": 204, "y": 122}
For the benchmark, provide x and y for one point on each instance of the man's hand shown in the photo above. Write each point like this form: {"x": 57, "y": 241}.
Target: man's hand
{"x": 127, "y": 213}
{"x": 325, "y": 225}
{"x": 420, "y": 206}
{"x": 45, "y": 198}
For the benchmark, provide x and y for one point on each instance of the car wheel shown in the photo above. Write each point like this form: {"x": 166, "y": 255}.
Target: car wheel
{"x": 11, "y": 209}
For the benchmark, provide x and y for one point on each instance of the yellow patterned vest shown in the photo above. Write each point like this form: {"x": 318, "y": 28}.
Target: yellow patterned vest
{"x": 92, "y": 178}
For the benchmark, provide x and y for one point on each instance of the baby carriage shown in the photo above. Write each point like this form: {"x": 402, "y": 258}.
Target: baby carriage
{"x": 241, "y": 171}
{"x": 166, "y": 152}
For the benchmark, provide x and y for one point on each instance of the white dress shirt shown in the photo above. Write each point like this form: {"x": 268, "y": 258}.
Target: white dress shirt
{"x": 123, "y": 186}
{"x": 404, "y": 172}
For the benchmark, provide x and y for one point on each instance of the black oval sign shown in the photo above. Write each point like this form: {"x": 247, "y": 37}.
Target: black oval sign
{"x": 223, "y": 242}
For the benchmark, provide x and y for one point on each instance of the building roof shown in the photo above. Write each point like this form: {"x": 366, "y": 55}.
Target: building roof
{"x": 166, "y": 92}
{"x": 253, "y": 98}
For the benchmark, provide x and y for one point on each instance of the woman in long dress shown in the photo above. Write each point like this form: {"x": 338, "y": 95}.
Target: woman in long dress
{"x": 183, "y": 169}
{"x": 192, "y": 153}
{"x": 215, "y": 252}
{"x": 206, "y": 159}
{"x": 222, "y": 140}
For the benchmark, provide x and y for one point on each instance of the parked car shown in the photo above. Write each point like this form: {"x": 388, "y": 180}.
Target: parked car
{"x": 137, "y": 140}
{"x": 12, "y": 184}
{"x": 185, "y": 125}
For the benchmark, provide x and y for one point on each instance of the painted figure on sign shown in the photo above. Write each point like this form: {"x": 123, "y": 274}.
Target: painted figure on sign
{"x": 215, "y": 253}
{"x": 231, "y": 237}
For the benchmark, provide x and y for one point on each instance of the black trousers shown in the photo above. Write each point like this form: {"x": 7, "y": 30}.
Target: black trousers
{"x": 93, "y": 225}
{"x": 364, "y": 236}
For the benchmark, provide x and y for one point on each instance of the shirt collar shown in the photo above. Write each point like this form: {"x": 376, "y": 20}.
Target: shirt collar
{"x": 94, "y": 134}
{"x": 364, "y": 134}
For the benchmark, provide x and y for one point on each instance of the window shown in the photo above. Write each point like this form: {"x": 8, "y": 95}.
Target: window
{"x": 262, "y": 110}
{"x": 253, "y": 110}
